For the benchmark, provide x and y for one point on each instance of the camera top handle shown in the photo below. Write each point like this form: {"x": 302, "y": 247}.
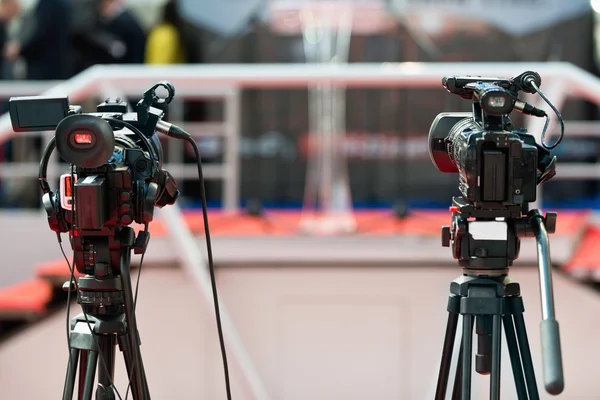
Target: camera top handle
{"x": 521, "y": 83}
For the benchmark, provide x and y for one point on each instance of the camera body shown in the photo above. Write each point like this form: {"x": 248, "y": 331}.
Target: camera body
{"x": 494, "y": 166}
{"x": 498, "y": 166}
{"x": 125, "y": 188}
{"x": 116, "y": 176}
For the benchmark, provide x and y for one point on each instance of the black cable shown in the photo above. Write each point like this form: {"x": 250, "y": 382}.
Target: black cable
{"x": 71, "y": 279}
{"x": 44, "y": 166}
{"x": 560, "y": 119}
{"x": 176, "y": 132}
{"x": 211, "y": 267}
{"x": 138, "y": 133}
{"x": 137, "y": 282}
{"x": 137, "y": 286}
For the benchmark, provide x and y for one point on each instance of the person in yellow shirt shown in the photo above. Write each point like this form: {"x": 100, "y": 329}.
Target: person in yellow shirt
{"x": 165, "y": 43}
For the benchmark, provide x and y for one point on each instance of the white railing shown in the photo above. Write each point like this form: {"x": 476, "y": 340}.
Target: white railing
{"x": 560, "y": 81}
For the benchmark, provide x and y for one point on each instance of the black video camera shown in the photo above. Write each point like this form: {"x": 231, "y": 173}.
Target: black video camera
{"x": 116, "y": 176}
{"x": 498, "y": 166}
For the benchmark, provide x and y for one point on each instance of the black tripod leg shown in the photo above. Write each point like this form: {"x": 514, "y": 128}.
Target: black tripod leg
{"x": 132, "y": 337}
{"x": 106, "y": 371}
{"x": 496, "y": 357}
{"x": 456, "y": 389}
{"x": 526, "y": 356}
{"x": 90, "y": 375}
{"x": 71, "y": 373}
{"x": 144, "y": 379}
{"x": 139, "y": 362}
{"x": 442, "y": 383}
{"x": 131, "y": 364}
{"x": 515, "y": 357}
{"x": 467, "y": 342}
{"x": 83, "y": 358}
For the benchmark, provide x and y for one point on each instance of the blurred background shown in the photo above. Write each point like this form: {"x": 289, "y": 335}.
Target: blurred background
{"x": 312, "y": 118}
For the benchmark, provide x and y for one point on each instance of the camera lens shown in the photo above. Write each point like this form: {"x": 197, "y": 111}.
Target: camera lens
{"x": 496, "y": 101}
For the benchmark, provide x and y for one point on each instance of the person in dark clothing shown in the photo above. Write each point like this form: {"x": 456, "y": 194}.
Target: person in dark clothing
{"x": 9, "y": 9}
{"x": 45, "y": 43}
{"x": 91, "y": 46}
{"x": 116, "y": 19}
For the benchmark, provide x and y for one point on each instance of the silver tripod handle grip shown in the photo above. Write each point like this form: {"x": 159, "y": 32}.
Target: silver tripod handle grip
{"x": 550, "y": 335}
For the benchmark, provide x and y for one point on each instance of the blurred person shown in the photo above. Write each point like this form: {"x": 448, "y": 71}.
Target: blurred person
{"x": 92, "y": 43}
{"x": 130, "y": 38}
{"x": 44, "y": 42}
{"x": 165, "y": 43}
{"x": 9, "y": 10}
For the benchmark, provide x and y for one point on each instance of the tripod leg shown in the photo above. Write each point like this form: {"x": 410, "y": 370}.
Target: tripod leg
{"x": 71, "y": 373}
{"x": 456, "y": 389}
{"x": 442, "y": 383}
{"x": 467, "y": 342}
{"x": 83, "y": 358}
{"x": 144, "y": 379}
{"x": 90, "y": 374}
{"x": 132, "y": 337}
{"x": 496, "y": 357}
{"x": 515, "y": 357}
{"x": 106, "y": 371}
{"x": 526, "y": 355}
{"x": 130, "y": 364}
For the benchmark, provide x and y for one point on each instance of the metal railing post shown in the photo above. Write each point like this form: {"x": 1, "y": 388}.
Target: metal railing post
{"x": 231, "y": 181}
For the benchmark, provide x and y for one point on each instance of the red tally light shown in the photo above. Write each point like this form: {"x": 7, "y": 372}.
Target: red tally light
{"x": 68, "y": 187}
{"x": 83, "y": 138}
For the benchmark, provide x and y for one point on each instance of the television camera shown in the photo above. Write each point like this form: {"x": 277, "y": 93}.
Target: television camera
{"x": 499, "y": 168}
{"x": 116, "y": 179}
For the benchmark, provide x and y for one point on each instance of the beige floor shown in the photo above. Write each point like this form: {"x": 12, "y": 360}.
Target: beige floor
{"x": 398, "y": 360}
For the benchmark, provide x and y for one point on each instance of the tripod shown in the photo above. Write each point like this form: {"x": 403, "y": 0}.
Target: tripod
{"x": 108, "y": 317}
{"x": 488, "y": 300}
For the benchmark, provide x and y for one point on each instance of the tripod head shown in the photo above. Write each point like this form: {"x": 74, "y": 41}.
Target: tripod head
{"x": 486, "y": 242}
